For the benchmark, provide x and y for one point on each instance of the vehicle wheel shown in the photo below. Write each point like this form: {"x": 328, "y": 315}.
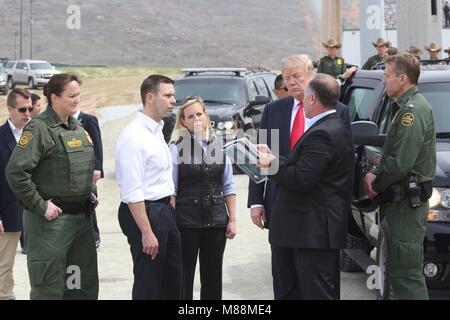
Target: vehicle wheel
{"x": 353, "y": 242}
{"x": 382, "y": 280}
{"x": 11, "y": 83}
{"x": 31, "y": 84}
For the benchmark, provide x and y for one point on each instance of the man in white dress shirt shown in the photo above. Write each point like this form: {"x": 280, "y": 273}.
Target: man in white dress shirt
{"x": 144, "y": 175}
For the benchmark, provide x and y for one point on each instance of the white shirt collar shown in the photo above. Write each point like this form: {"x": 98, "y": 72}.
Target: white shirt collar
{"x": 76, "y": 114}
{"x": 148, "y": 122}
{"x": 16, "y": 132}
{"x": 313, "y": 120}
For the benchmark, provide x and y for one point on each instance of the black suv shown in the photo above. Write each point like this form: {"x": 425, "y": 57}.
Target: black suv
{"x": 369, "y": 107}
{"x": 229, "y": 94}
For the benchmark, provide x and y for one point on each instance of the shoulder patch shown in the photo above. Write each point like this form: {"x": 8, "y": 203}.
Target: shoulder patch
{"x": 408, "y": 120}
{"x": 339, "y": 61}
{"x": 25, "y": 138}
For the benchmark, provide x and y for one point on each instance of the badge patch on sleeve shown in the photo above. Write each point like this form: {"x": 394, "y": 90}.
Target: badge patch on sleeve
{"x": 88, "y": 136}
{"x": 339, "y": 62}
{"x": 25, "y": 138}
{"x": 408, "y": 120}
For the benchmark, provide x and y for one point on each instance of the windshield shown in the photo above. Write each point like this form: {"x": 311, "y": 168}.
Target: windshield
{"x": 213, "y": 91}
{"x": 1, "y": 68}
{"x": 40, "y": 66}
{"x": 438, "y": 95}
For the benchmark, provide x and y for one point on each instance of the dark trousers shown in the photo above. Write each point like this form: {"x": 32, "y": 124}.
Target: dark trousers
{"x": 283, "y": 272}
{"x": 208, "y": 244}
{"x": 160, "y": 278}
{"x": 447, "y": 20}
{"x": 94, "y": 224}
{"x": 317, "y": 274}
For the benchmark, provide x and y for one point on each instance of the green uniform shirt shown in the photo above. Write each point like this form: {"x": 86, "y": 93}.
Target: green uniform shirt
{"x": 51, "y": 160}
{"x": 372, "y": 61}
{"x": 410, "y": 146}
{"x": 334, "y": 67}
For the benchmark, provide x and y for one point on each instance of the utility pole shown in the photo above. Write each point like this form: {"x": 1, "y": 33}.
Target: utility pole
{"x": 21, "y": 33}
{"x": 331, "y": 20}
{"x": 31, "y": 29}
{"x": 15, "y": 45}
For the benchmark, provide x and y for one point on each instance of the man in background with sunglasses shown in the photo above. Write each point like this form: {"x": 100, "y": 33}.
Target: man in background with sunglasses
{"x": 280, "y": 88}
{"x": 19, "y": 109}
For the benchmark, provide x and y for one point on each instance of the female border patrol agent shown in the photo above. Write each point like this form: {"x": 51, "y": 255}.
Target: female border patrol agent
{"x": 51, "y": 172}
{"x": 403, "y": 179}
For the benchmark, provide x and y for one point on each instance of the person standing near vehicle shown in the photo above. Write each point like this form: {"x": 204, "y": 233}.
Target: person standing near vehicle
{"x": 279, "y": 87}
{"x": 50, "y": 171}
{"x": 382, "y": 47}
{"x": 144, "y": 175}
{"x": 403, "y": 180}
{"x": 205, "y": 200}
{"x": 332, "y": 64}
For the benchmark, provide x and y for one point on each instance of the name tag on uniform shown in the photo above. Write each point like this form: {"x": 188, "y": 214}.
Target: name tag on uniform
{"x": 73, "y": 141}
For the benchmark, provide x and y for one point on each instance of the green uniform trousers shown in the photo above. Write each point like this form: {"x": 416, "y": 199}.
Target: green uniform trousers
{"x": 62, "y": 259}
{"x": 405, "y": 228}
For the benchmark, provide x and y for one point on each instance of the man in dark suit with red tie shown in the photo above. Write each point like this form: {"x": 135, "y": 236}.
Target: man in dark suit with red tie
{"x": 314, "y": 194}
{"x": 282, "y": 124}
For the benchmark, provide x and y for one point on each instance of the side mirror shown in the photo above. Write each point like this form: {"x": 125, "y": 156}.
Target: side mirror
{"x": 365, "y": 133}
{"x": 259, "y": 100}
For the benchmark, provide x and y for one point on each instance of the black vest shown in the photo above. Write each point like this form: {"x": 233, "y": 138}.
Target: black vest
{"x": 200, "y": 202}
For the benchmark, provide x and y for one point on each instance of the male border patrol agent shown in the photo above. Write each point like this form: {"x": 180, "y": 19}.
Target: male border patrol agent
{"x": 382, "y": 47}
{"x": 332, "y": 64}
{"x": 403, "y": 179}
{"x": 51, "y": 172}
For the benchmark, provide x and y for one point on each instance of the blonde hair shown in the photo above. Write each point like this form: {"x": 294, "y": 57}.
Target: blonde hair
{"x": 179, "y": 129}
{"x": 299, "y": 59}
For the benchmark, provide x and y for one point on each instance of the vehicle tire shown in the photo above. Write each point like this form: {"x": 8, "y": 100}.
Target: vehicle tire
{"x": 381, "y": 259}
{"x": 11, "y": 83}
{"x": 31, "y": 84}
{"x": 353, "y": 242}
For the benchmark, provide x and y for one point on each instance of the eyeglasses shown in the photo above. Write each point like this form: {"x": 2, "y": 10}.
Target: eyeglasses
{"x": 284, "y": 89}
{"x": 24, "y": 109}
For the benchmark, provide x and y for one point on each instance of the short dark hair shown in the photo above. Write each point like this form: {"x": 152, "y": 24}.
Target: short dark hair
{"x": 326, "y": 89}
{"x": 11, "y": 101}
{"x": 278, "y": 82}
{"x": 57, "y": 84}
{"x": 151, "y": 84}
{"x": 405, "y": 63}
{"x": 34, "y": 98}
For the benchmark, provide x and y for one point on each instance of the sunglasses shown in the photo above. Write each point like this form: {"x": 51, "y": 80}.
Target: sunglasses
{"x": 24, "y": 109}
{"x": 284, "y": 89}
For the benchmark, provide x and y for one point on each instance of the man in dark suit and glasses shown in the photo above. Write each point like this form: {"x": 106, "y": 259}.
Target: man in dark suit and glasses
{"x": 286, "y": 117}
{"x": 314, "y": 194}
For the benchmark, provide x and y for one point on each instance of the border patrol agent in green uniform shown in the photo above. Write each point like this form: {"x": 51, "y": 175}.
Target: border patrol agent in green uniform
{"x": 404, "y": 178}
{"x": 382, "y": 47}
{"x": 51, "y": 172}
{"x": 332, "y": 64}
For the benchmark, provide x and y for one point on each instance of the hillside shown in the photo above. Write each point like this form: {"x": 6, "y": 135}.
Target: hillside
{"x": 175, "y": 33}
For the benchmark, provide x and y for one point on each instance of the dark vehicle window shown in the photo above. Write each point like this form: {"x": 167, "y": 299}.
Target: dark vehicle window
{"x": 20, "y": 66}
{"x": 438, "y": 95}
{"x": 358, "y": 104}
{"x": 226, "y": 90}
{"x": 40, "y": 66}
{"x": 9, "y": 65}
{"x": 262, "y": 89}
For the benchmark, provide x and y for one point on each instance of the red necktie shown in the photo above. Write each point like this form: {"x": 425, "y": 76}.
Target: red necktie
{"x": 298, "y": 127}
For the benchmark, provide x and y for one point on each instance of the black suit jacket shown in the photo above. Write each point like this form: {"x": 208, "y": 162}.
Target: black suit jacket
{"x": 10, "y": 208}
{"x": 90, "y": 123}
{"x": 277, "y": 115}
{"x": 315, "y": 188}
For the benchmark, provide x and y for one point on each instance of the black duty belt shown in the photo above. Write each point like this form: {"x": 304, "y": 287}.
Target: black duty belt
{"x": 72, "y": 207}
{"x": 397, "y": 193}
{"x": 164, "y": 200}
